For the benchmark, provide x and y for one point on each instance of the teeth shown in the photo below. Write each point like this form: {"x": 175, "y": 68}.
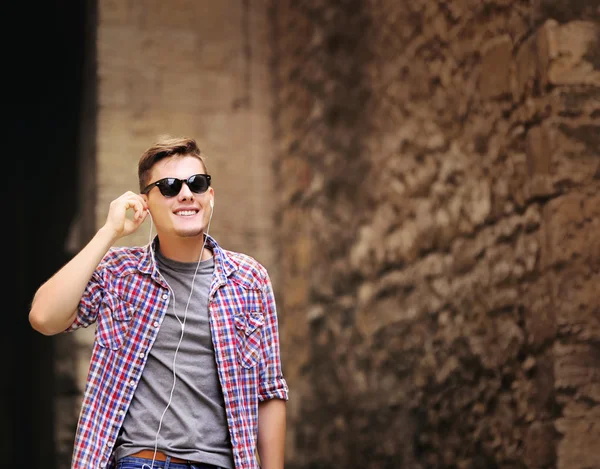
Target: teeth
{"x": 186, "y": 213}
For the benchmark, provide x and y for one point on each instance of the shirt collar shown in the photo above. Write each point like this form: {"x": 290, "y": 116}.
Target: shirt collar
{"x": 224, "y": 266}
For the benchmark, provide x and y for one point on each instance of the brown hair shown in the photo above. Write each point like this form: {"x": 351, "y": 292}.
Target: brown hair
{"x": 165, "y": 147}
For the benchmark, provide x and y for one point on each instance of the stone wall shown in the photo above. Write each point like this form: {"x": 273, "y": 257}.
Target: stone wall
{"x": 439, "y": 218}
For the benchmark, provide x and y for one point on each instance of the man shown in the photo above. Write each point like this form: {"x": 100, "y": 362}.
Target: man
{"x": 185, "y": 369}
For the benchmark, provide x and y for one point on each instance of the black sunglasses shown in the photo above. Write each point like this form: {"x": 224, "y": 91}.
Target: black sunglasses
{"x": 170, "y": 187}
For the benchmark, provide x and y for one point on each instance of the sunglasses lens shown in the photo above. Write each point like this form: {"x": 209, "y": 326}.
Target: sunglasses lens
{"x": 169, "y": 187}
{"x": 198, "y": 183}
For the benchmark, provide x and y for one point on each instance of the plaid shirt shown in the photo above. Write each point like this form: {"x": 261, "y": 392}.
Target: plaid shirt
{"x": 127, "y": 300}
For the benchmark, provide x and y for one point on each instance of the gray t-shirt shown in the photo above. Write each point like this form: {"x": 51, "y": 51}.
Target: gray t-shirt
{"x": 194, "y": 426}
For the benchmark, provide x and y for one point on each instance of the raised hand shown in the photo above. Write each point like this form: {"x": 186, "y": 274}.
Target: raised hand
{"x": 117, "y": 220}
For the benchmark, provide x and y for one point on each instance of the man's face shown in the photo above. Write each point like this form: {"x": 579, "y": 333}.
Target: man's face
{"x": 186, "y": 214}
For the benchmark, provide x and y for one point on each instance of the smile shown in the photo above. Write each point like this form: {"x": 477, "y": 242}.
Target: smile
{"x": 186, "y": 213}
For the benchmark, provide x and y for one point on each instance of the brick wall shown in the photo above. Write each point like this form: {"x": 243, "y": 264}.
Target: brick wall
{"x": 439, "y": 187}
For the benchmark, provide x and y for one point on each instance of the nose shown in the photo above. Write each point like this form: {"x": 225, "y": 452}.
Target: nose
{"x": 185, "y": 193}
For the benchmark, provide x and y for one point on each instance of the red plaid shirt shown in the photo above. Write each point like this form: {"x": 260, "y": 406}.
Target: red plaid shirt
{"x": 127, "y": 300}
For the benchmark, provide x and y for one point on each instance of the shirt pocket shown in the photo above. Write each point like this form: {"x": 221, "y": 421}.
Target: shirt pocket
{"x": 249, "y": 326}
{"x": 114, "y": 321}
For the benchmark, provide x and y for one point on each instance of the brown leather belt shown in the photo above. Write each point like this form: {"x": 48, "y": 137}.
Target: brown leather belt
{"x": 149, "y": 454}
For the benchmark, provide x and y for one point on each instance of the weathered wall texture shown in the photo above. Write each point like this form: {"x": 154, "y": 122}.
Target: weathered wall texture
{"x": 185, "y": 68}
{"x": 439, "y": 175}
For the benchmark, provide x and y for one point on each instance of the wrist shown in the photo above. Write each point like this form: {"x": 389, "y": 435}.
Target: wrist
{"x": 107, "y": 235}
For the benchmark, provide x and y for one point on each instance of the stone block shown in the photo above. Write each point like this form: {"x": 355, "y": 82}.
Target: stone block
{"x": 526, "y": 63}
{"x": 577, "y": 302}
{"x": 572, "y": 57}
{"x": 576, "y": 365}
{"x": 574, "y": 221}
{"x": 581, "y": 408}
{"x": 539, "y": 312}
{"x": 539, "y": 445}
{"x": 577, "y": 145}
{"x": 496, "y": 68}
{"x": 578, "y": 448}
{"x": 582, "y": 103}
{"x": 539, "y": 150}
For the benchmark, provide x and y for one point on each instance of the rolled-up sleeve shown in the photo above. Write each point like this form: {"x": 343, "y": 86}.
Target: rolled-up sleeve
{"x": 89, "y": 305}
{"x": 272, "y": 384}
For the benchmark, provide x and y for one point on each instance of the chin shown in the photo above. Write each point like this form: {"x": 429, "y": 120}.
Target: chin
{"x": 189, "y": 232}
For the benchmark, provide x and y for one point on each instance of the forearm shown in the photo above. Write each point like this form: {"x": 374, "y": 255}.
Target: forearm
{"x": 271, "y": 433}
{"x": 54, "y": 305}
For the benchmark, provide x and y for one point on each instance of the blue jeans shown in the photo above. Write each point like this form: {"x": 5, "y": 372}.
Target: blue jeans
{"x": 129, "y": 462}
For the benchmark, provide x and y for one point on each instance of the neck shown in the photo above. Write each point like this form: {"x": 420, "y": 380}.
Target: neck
{"x": 184, "y": 249}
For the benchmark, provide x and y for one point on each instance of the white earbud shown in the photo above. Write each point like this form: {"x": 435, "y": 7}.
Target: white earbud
{"x": 212, "y": 203}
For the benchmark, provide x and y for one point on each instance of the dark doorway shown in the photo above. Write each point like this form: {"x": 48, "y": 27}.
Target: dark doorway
{"x": 52, "y": 93}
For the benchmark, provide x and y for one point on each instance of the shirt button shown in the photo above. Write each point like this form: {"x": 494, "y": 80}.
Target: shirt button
{"x": 132, "y": 383}
{"x": 141, "y": 355}
{"x": 156, "y": 323}
{"x": 121, "y": 412}
{"x": 103, "y": 464}
{"x": 165, "y": 296}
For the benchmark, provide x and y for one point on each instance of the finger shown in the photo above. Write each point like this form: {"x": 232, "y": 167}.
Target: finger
{"x": 141, "y": 202}
{"x": 143, "y": 212}
{"x": 136, "y": 205}
{"x": 143, "y": 215}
